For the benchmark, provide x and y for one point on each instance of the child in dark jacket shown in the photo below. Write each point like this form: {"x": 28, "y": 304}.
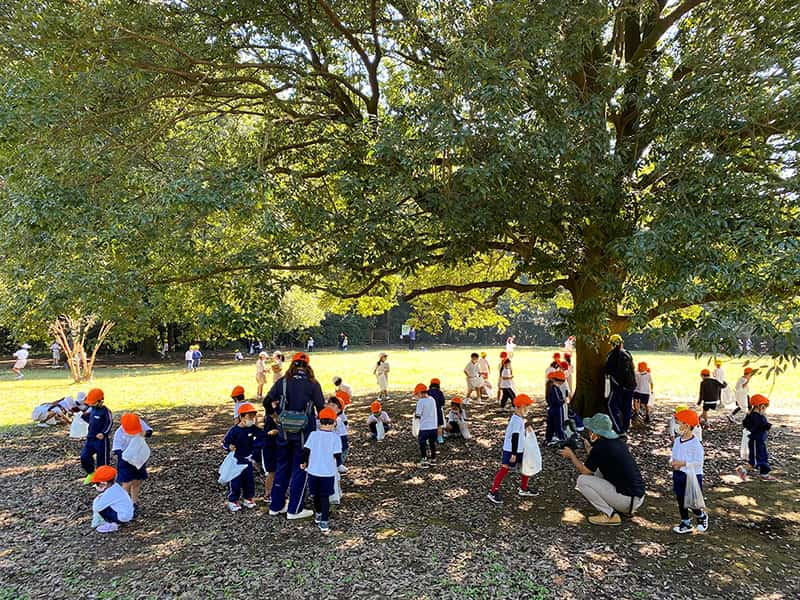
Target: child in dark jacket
{"x": 435, "y": 392}
{"x": 758, "y": 426}
{"x": 245, "y": 440}
{"x": 269, "y": 453}
{"x": 98, "y": 441}
{"x": 555, "y": 408}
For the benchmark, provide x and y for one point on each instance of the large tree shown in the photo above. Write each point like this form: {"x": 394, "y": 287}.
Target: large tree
{"x": 639, "y": 155}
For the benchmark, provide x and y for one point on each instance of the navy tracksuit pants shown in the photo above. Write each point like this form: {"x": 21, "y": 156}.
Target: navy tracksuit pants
{"x": 94, "y": 447}
{"x": 289, "y": 476}
{"x": 555, "y": 423}
{"x": 620, "y": 408}
{"x": 242, "y": 486}
{"x": 758, "y": 456}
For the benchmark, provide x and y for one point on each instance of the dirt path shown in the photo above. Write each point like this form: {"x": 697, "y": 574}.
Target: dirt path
{"x": 401, "y": 531}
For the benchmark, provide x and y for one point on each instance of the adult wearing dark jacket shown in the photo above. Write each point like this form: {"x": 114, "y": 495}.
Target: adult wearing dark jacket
{"x": 710, "y": 393}
{"x": 610, "y": 479}
{"x": 619, "y": 369}
{"x": 303, "y": 394}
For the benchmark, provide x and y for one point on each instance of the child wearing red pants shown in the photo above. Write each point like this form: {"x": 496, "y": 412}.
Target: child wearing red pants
{"x": 512, "y": 451}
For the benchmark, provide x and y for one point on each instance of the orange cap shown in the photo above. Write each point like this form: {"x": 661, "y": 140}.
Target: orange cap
{"x": 689, "y": 417}
{"x": 523, "y": 400}
{"x": 557, "y": 376}
{"x": 328, "y": 414}
{"x": 456, "y": 400}
{"x": 420, "y": 388}
{"x": 557, "y": 356}
{"x": 130, "y": 423}
{"x": 435, "y": 381}
{"x": 104, "y": 474}
{"x": 301, "y": 356}
{"x": 237, "y": 391}
{"x": 705, "y": 373}
{"x": 748, "y": 370}
{"x": 344, "y": 397}
{"x": 564, "y": 365}
{"x": 504, "y": 355}
{"x": 375, "y": 406}
{"x": 246, "y": 408}
{"x": 94, "y": 396}
{"x": 758, "y": 400}
{"x": 642, "y": 367}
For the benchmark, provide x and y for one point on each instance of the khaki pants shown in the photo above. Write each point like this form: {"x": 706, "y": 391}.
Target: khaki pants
{"x": 604, "y": 497}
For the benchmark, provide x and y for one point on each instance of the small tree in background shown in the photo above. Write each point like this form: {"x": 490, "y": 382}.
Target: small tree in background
{"x": 75, "y": 334}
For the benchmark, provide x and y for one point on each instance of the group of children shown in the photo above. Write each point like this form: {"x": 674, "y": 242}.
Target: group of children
{"x": 192, "y": 358}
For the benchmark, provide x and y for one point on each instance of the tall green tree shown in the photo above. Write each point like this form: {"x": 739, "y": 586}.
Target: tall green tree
{"x": 639, "y": 155}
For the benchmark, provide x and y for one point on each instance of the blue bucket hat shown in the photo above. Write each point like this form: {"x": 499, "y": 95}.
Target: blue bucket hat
{"x": 600, "y": 424}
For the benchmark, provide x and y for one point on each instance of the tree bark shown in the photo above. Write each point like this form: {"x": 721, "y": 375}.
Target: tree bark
{"x": 588, "y": 398}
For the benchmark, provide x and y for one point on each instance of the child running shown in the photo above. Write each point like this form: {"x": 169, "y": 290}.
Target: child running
{"x": 742, "y": 394}
{"x": 426, "y": 413}
{"x": 644, "y": 388}
{"x": 512, "y": 451}
{"x": 321, "y": 452}
{"x": 98, "y": 443}
{"x": 687, "y": 458}
{"x": 710, "y": 391}
{"x": 129, "y": 476}
{"x": 756, "y": 423}
{"x": 378, "y": 415}
{"x": 245, "y": 440}
{"x": 113, "y": 505}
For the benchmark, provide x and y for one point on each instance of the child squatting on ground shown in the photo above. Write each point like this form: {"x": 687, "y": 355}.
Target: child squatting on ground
{"x": 756, "y": 423}
{"x": 687, "y": 461}
{"x": 321, "y": 452}
{"x": 112, "y": 506}
{"x": 512, "y": 454}
{"x": 378, "y": 415}
{"x": 245, "y": 440}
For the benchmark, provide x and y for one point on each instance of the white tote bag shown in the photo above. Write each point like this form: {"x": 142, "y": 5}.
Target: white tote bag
{"x": 693, "y": 497}
{"x": 380, "y": 430}
{"x": 79, "y": 428}
{"x": 414, "y": 426}
{"x": 336, "y": 497}
{"x": 744, "y": 448}
{"x": 137, "y": 452}
{"x": 230, "y": 469}
{"x": 462, "y": 426}
{"x": 531, "y": 455}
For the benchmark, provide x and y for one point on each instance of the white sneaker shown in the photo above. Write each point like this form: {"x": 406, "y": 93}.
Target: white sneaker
{"x": 275, "y": 513}
{"x": 248, "y": 503}
{"x": 342, "y": 469}
{"x": 234, "y": 506}
{"x": 303, "y": 514}
{"x": 42, "y": 425}
{"x": 107, "y": 528}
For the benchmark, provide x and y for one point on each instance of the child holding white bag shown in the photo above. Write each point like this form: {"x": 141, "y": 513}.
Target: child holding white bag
{"x": 127, "y": 446}
{"x": 687, "y": 461}
{"x": 513, "y": 445}
{"x": 378, "y": 415}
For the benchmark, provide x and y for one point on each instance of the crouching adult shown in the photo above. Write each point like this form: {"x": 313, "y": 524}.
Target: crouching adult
{"x": 610, "y": 478}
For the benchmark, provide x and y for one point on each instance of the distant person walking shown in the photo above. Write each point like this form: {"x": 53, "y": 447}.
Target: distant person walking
{"x": 21, "y": 357}
{"x": 412, "y": 338}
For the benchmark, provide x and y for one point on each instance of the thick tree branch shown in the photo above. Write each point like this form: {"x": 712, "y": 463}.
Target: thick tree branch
{"x": 505, "y": 284}
{"x": 660, "y": 27}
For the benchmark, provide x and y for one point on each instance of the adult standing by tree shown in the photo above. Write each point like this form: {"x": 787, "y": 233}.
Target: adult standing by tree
{"x": 412, "y": 337}
{"x": 619, "y": 370}
{"x": 299, "y": 398}
{"x": 610, "y": 478}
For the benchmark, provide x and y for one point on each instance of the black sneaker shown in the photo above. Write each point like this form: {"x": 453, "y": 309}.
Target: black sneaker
{"x": 494, "y": 497}
{"x": 702, "y": 523}
{"x": 529, "y": 492}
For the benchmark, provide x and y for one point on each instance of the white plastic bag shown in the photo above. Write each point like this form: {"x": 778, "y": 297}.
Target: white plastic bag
{"x": 79, "y": 428}
{"x": 744, "y": 449}
{"x": 607, "y": 389}
{"x": 531, "y": 455}
{"x": 462, "y": 426}
{"x": 380, "y": 430}
{"x": 137, "y": 452}
{"x": 336, "y": 497}
{"x": 693, "y": 496}
{"x": 40, "y": 412}
{"x": 97, "y": 519}
{"x": 230, "y": 469}
{"x": 415, "y": 427}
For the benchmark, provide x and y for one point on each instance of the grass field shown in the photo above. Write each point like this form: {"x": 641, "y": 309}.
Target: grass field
{"x": 167, "y": 385}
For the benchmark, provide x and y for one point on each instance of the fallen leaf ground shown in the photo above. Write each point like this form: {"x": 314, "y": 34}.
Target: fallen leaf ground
{"x": 401, "y": 531}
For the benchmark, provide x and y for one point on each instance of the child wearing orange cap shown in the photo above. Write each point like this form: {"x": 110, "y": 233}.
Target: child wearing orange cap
{"x": 456, "y": 418}
{"x": 113, "y": 505}
{"x": 742, "y": 393}
{"x": 435, "y": 392}
{"x": 512, "y": 451}
{"x": 321, "y": 452}
{"x": 554, "y": 396}
{"x": 507, "y": 390}
{"x": 129, "y": 476}
{"x": 503, "y": 357}
{"x": 710, "y": 392}
{"x": 644, "y": 388}
{"x": 245, "y": 440}
{"x": 338, "y": 403}
{"x": 98, "y": 441}
{"x": 687, "y": 458}
{"x": 237, "y": 395}
{"x": 675, "y": 426}
{"x": 269, "y": 453}
{"x": 426, "y": 413}
{"x": 555, "y": 365}
{"x": 757, "y": 425}
{"x": 377, "y": 414}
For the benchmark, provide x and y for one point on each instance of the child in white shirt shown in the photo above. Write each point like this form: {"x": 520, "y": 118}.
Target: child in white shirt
{"x": 321, "y": 451}
{"x": 21, "y": 357}
{"x": 377, "y": 414}
{"x": 512, "y": 450}
{"x": 456, "y": 419}
{"x": 426, "y": 413}
{"x": 644, "y": 388}
{"x": 113, "y": 505}
{"x": 687, "y": 458}
{"x": 188, "y": 358}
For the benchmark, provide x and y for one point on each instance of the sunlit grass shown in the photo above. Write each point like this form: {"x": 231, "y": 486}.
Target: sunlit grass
{"x": 676, "y": 377}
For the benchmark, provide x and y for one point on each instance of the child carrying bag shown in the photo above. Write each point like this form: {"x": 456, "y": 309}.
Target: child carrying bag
{"x": 336, "y": 497}
{"x": 531, "y": 455}
{"x": 415, "y": 426}
{"x": 230, "y": 469}
{"x": 693, "y": 496}
{"x": 380, "y": 430}
{"x": 744, "y": 448}
{"x": 137, "y": 453}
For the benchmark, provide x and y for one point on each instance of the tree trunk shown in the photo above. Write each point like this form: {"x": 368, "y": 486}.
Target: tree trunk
{"x": 590, "y": 381}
